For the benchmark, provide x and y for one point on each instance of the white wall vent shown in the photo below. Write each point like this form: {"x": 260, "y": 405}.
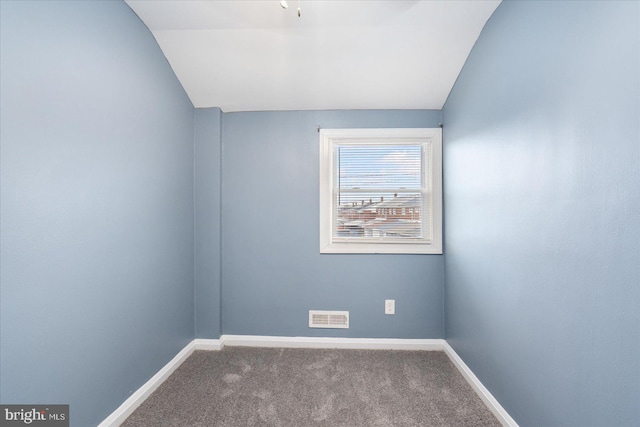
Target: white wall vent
{"x": 328, "y": 319}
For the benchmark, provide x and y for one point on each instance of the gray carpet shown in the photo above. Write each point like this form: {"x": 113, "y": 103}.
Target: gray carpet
{"x": 242, "y": 386}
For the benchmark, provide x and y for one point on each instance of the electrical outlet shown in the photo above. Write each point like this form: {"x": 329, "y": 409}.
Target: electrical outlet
{"x": 389, "y": 306}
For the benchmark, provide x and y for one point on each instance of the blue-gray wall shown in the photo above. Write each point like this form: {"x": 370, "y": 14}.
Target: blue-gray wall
{"x": 207, "y": 199}
{"x": 272, "y": 271}
{"x": 96, "y": 212}
{"x": 542, "y": 203}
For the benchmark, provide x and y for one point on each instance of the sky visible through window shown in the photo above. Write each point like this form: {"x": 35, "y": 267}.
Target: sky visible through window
{"x": 387, "y": 168}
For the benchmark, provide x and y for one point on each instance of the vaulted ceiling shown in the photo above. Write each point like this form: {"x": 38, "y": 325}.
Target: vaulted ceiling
{"x": 243, "y": 55}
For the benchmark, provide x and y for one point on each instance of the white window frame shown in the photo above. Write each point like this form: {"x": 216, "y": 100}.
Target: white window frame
{"x": 431, "y": 138}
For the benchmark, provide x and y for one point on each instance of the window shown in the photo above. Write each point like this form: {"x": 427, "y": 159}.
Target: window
{"x": 381, "y": 191}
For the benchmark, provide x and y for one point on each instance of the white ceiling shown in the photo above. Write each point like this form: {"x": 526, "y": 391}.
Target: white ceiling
{"x": 243, "y": 55}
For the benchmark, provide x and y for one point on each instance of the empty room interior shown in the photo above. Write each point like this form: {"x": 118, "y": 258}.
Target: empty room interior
{"x": 163, "y": 192}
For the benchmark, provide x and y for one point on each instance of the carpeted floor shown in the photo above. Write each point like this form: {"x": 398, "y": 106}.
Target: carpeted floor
{"x": 241, "y": 386}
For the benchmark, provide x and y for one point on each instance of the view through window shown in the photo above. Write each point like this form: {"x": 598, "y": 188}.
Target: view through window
{"x": 379, "y": 191}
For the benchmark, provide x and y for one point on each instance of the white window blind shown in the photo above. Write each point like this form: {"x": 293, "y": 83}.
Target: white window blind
{"x": 380, "y": 192}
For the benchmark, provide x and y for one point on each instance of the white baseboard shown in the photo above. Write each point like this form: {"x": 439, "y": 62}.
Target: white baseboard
{"x": 486, "y": 396}
{"x": 207, "y": 344}
{"x": 118, "y": 416}
{"x": 345, "y": 343}
{"x": 129, "y": 405}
